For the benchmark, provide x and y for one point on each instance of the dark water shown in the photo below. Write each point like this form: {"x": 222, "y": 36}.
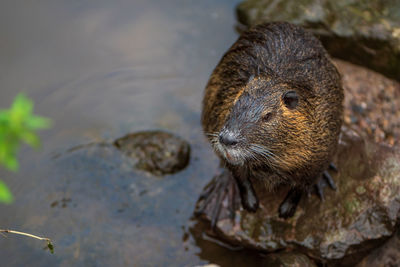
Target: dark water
{"x": 102, "y": 69}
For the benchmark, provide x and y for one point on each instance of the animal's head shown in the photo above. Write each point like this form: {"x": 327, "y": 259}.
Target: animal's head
{"x": 269, "y": 123}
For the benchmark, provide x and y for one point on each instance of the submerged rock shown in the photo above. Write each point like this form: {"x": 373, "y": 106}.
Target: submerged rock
{"x": 363, "y": 32}
{"x": 349, "y": 223}
{"x": 157, "y": 152}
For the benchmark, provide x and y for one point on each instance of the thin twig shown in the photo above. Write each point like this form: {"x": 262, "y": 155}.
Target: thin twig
{"x": 26, "y": 234}
{"x": 49, "y": 244}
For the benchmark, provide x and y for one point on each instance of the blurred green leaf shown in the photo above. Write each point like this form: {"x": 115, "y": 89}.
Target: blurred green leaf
{"x": 37, "y": 122}
{"x": 22, "y": 106}
{"x": 11, "y": 163}
{"x": 17, "y": 125}
{"x": 3, "y": 116}
{"x": 30, "y": 138}
{"x": 5, "y": 194}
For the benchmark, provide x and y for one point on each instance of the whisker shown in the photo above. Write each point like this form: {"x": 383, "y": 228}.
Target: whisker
{"x": 264, "y": 153}
{"x": 262, "y": 148}
{"x": 215, "y": 134}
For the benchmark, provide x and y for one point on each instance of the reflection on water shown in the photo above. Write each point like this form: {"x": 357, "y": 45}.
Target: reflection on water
{"x": 101, "y": 69}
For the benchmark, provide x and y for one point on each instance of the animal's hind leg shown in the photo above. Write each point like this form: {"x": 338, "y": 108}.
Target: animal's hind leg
{"x": 219, "y": 196}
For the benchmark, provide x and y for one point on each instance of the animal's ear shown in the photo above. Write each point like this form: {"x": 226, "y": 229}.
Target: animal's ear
{"x": 291, "y": 99}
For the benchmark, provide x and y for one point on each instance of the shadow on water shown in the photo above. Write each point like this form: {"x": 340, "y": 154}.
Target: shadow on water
{"x": 101, "y": 70}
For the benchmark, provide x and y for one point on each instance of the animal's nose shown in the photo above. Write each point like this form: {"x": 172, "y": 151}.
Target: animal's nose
{"x": 227, "y": 139}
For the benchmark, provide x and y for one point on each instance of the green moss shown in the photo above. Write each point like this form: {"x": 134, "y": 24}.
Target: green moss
{"x": 360, "y": 190}
{"x": 352, "y": 206}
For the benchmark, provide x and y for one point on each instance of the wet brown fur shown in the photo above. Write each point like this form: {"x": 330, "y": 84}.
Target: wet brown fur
{"x": 264, "y": 63}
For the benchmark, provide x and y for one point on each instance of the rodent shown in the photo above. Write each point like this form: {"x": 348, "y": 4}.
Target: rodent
{"x": 273, "y": 109}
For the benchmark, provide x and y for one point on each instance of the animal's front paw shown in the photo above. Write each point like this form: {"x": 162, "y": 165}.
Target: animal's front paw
{"x": 289, "y": 205}
{"x": 287, "y": 210}
{"x": 247, "y": 195}
{"x": 220, "y": 191}
{"x": 250, "y": 201}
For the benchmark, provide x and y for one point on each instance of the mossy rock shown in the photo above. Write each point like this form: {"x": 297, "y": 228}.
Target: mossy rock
{"x": 363, "y": 32}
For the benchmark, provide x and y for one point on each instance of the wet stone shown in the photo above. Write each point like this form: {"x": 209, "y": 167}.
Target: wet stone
{"x": 386, "y": 256}
{"x": 157, "y": 152}
{"x": 358, "y": 217}
{"x": 363, "y": 32}
{"x": 361, "y": 215}
{"x": 288, "y": 259}
{"x": 371, "y": 103}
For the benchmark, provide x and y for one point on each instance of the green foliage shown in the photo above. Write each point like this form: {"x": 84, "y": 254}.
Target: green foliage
{"x": 17, "y": 125}
{"x": 5, "y": 194}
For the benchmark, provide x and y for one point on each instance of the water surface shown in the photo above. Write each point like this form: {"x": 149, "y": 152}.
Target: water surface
{"x": 99, "y": 70}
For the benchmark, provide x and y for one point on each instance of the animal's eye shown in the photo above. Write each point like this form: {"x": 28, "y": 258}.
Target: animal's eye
{"x": 291, "y": 99}
{"x": 267, "y": 117}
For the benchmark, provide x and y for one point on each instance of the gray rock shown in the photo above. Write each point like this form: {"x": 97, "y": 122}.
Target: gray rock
{"x": 386, "y": 256}
{"x": 363, "y": 32}
{"x": 371, "y": 104}
{"x": 157, "y": 152}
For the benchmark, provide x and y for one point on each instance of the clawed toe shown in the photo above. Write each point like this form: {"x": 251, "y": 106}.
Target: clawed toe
{"x": 329, "y": 180}
{"x": 319, "y": 189}
{"x": 289, "y": 205}
{"x": 332, "y": 166}
{"x": 325, "y": 178}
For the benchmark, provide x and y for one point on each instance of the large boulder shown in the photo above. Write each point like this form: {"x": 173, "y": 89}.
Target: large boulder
{"x": 351, "y": 222}
{"x": 364, "y": 211}
{"x": 364, "y": 32}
